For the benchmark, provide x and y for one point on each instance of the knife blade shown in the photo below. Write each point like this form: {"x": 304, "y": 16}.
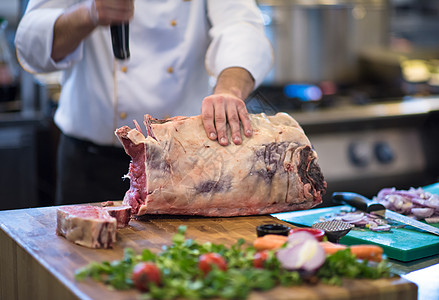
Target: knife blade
{"x": 364, "y": 204}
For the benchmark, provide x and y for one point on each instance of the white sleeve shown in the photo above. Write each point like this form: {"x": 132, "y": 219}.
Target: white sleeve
{"x": 238, "y": 39}
{"x": 34, "y": 38}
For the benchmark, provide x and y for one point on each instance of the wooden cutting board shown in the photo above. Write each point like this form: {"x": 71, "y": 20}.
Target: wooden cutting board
{"x": 35, "y": 263}
{"x": 404, "y": 244}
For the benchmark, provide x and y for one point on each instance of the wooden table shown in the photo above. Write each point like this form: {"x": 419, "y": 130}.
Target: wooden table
{"x": 35, "y": 263}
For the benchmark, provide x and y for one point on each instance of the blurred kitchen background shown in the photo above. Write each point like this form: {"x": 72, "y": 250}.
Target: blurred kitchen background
{"x": 361, "y": 77}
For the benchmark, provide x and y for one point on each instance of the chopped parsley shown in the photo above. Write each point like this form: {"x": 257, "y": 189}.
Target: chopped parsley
{"x": 182, "y": 278}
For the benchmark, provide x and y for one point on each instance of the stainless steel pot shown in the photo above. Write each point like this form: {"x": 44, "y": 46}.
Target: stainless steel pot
{"x": 316, "y": 41}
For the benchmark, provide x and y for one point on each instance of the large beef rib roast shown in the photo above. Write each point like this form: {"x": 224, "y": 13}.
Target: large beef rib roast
{"x": 177, "y": 170}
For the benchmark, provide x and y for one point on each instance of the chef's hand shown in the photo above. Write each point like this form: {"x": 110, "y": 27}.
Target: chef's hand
{"x": 74, "y": 25}
{"x": 107, "y": 12}
{"x": 226, "y": 105}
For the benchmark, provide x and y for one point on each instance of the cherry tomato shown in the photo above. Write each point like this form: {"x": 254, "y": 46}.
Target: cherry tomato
{"x": 259, "y": 259}
{"x": 145, "y": 273}
{"x": 206, "y": 261}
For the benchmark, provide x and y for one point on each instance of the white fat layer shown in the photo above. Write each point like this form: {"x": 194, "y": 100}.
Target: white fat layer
{"x": 136, "y": 137}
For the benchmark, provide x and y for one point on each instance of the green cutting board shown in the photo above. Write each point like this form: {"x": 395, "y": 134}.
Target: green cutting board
{"x": 404, "y": 244}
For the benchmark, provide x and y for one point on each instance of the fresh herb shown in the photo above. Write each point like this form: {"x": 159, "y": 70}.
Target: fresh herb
{"x": 344, "y": 264}
{"x": 116, "y": 274}
{"x": 182, "y": 277}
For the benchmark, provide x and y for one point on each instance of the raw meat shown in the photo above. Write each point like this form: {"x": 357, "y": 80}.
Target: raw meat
{"x": 121, "y": 213}
{"x": 86, "y": 225}
{"x": 176, "y": 169}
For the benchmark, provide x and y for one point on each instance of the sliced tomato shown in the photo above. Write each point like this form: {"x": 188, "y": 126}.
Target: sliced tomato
{"x": 145, "y": 273}
{"x": 206, "y": 261}
{"x": 259, "y": 259}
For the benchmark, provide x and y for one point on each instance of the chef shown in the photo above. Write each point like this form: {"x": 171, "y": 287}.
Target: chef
{"x": 177, "y": 48}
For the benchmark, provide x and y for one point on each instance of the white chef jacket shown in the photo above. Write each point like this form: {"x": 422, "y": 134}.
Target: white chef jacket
{"x": 175, "y": 45}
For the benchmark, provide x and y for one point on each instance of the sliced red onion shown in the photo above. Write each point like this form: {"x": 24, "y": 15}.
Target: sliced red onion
{"x": 362, "y": 223}
{"x": 432, "y": 220}
{"x": 317, "y": 260}
{"x": 422, "y": 213}
{"x": 384, "y": 192}
{"x": 396, "y": 200}
{"x": 417, "y": 191}
{"x": 299, "y": 237}
{"x": 419, "y": 201}
{"x": 381, "y": 221}
{"x": 405, "y": 209}
{"x": 289, "y": 257}
{"x": 410, "y": 193}
{"x": 361, "y": 219}
{"x": 306, "y": 255}
{"x": 352, "y": 217}
{"x": 414, "y": 201}
{"x": 373, "y": 217}
{"x": 372, "y": 224}
{"x": 381, "y": 228}
{"x": 433, "y": 202}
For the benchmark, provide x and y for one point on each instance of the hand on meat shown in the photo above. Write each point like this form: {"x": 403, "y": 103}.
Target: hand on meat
{"x": 226, "y": 105}
{"x": 220, "y": 108}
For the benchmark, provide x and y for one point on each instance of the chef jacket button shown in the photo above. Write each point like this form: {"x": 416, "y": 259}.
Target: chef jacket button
{"x": 170, "y": 70}
{"x": 173, "y": 23}
{"x": 123, "y": 115}
{"x": 124, "y": 69}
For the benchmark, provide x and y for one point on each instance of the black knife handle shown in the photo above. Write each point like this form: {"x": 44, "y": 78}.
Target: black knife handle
{"x": 358, "y": 201}
{"x": 353, "y": 199}
{"x": 120, "y": 40}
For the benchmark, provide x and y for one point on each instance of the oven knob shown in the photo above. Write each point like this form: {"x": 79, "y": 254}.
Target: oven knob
{"x": 383, "y": 152}
{"x": 359, "y": 154}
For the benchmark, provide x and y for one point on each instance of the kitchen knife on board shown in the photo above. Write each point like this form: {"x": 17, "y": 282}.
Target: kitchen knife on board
{"x": 364, "y": 204}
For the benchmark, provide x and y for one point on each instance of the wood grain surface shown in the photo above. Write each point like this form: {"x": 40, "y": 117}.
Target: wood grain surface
{"x": 35, "y": 263}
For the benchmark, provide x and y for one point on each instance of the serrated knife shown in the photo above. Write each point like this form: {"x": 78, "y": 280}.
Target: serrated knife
{"x": 364, "y": 204}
